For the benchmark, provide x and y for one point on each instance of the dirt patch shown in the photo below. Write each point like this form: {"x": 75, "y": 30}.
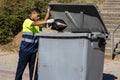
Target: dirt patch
{"x": 12, "y": 46}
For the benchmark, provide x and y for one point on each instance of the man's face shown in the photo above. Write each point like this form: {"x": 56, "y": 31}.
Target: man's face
{"x": 35, "y": 16}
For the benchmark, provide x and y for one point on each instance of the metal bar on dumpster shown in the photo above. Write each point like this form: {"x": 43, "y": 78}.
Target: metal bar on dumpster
{"x": 71, "y": 18}
{"x": 82, "y": 18}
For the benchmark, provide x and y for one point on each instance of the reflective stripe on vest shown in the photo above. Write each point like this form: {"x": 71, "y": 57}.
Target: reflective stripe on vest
{"x": 29, "y": 40}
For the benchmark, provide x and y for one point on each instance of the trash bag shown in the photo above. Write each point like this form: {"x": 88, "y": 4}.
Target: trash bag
{"x": 59, "y": 25}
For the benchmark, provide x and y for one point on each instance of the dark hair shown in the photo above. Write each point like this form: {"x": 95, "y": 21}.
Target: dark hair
{"x": 35, "y": 9}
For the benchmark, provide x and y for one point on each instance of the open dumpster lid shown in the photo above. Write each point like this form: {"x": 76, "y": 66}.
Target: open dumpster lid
{"x": 85, "y": 17}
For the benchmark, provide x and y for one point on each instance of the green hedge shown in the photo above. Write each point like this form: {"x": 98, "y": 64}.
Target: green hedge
{"x": 13, "y": 14}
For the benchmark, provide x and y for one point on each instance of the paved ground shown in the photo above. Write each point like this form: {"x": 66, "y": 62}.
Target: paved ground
{"x": 111, "y": 70}
{"x": 8, "y": 63}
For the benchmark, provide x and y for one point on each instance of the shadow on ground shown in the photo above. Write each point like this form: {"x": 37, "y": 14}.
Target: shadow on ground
{"x": 109, "y": 77}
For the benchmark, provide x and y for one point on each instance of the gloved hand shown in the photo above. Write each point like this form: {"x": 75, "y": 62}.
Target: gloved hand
{"x": 50, "y": 20}
{"x": 49, "y": 8}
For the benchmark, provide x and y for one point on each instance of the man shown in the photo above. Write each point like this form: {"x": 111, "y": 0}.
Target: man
{"x": 29, "y": 43}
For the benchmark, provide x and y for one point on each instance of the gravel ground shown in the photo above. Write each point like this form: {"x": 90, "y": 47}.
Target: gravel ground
{"x": 8, "y": 63}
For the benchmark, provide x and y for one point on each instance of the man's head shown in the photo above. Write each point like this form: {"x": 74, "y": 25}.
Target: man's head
{"x": 35, "y": 14}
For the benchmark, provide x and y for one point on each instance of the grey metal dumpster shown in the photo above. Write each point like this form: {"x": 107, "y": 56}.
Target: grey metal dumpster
{"x": 78, "y": 52}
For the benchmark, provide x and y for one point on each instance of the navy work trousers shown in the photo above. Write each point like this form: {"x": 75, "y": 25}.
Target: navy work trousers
{"x": 27, "y": 55}
{"x": 25, "y": 58}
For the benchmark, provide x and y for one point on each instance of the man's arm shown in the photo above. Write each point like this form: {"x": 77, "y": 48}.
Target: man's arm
{"x": 47, "y": 14}
{"x": 37, "y": 23}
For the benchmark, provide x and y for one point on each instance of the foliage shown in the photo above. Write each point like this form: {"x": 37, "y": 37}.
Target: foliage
{"x": 13, "y": 14}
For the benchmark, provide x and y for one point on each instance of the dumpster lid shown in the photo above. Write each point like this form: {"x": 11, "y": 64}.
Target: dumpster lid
{"x": 84, "y": 17}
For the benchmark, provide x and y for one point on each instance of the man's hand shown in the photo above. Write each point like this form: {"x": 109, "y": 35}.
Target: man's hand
{"x": 50, "y": 20}
{"x": 47, "y": 14}
{"x": 49, "y": 8}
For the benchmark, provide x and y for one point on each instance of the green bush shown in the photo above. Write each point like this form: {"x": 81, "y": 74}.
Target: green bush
{"x": 13, "y": 14}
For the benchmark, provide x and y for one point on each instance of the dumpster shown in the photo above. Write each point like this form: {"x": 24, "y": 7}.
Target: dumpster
{"x": 78, "y": 52}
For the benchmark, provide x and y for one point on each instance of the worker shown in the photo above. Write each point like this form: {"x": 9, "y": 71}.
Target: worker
{"x": 29, "y": 43}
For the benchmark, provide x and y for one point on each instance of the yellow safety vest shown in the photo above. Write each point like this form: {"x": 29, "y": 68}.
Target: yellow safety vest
{"x": 28, "y": 28}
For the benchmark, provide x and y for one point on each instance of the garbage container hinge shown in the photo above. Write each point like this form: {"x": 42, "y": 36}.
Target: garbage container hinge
{"x": 96, "y": 35}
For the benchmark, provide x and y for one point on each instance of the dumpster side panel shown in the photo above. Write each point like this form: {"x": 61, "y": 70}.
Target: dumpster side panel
{"x": 95, "y": 61}
{"x": 62, "y": 59}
